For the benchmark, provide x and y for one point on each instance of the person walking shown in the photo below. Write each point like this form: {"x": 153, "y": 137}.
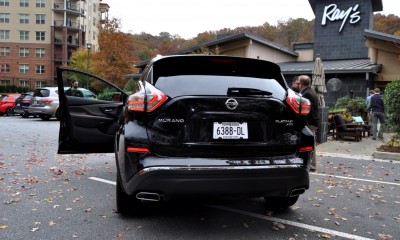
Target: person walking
{"x": 369, "y": 115}
{"x": 313, "y": 117}
{"x": 377, "y": 108}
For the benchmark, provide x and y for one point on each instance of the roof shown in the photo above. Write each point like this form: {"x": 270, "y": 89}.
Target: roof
{"x": 376, "y": 5}
{"x": 230, "y": 39}
{"x": 332, "y": 66}
{"x": 381, "y": 36}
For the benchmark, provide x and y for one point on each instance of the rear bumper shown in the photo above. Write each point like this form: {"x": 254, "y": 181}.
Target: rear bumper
{"x": 180, "y": 182}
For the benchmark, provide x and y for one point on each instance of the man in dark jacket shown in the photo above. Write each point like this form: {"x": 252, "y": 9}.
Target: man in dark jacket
{"x": 377, "y": 109}
{"x": 313, "y": 117}
{"x": 295, "y": 84}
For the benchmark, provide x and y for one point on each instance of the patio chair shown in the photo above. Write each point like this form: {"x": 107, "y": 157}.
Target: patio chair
{"x": 343, "y": 129}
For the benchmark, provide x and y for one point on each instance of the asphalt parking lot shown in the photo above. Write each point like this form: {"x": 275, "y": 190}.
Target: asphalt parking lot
{"x": 48, "y": 196}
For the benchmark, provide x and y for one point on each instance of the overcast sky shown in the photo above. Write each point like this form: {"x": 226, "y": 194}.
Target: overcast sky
{"x": 187, "y": 18}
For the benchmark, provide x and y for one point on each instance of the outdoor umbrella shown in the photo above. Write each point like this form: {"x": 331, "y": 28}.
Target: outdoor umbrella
{"x": 318, "y": 80}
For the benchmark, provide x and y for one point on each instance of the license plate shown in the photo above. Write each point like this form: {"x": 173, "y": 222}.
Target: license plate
{"x": 230, "y": 130}
{"x": 18, "y": 105}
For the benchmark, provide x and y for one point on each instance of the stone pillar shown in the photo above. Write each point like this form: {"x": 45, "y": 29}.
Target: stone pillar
{"x": 322, "y": 132}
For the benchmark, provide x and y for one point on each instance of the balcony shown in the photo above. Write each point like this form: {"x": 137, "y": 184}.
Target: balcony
{"x": 72, "y": 25}
{"x": 70, "y": 8}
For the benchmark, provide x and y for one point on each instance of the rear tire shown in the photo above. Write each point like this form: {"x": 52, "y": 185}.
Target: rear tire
{"x": 281, "y": 202}
{"x": 45, "y": 117}
{"x": 9, "y": 111}
{"x": 25, "y": 115}
{"x": 126, "y": 204}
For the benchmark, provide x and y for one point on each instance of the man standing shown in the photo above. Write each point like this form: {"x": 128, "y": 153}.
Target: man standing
{"x": 377, "y": 108}
{"x": 73, "y": 91}
{"x": 312, "y": 118}
{"x": 295, "y": 84}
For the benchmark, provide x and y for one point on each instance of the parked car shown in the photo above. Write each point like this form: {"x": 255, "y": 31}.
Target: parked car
{"x": 197, "y": 126}
{"x": 22, "y": 104}
{"x": 45, "y": 103}
{"x": 7, "y": 103}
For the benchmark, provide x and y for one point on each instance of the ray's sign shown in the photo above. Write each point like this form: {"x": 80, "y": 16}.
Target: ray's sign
{"x": 333, "y": 13}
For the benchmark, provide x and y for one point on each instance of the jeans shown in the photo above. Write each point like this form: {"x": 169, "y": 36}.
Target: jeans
{"x": 375, "y": 117}
{"x": 313, "y": 157}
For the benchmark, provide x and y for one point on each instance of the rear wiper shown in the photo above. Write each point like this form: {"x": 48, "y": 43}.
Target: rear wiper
{"x": 247, "y": 91}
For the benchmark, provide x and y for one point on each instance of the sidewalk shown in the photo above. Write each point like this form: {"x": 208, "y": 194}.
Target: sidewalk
{"x": 365, "y": 149}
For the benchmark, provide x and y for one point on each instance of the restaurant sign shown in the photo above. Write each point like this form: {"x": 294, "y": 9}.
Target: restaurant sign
{"x": 333, "y": 13}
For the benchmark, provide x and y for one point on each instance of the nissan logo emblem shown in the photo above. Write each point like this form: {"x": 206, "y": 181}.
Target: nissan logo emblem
{"x": 231, "y": 104}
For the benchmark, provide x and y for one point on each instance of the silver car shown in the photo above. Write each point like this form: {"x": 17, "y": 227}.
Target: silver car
{"x": 44, "y": 102}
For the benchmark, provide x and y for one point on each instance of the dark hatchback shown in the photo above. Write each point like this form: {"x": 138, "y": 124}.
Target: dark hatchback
{"x": 196, "y": 126}
{"x": 22, "y": 104}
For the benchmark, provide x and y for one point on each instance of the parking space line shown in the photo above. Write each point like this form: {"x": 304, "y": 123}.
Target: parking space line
{"x": 355, "y": 179}
{"x": 283, "y": 221}
{"x": 103, "y": 180}
{"x": 291, "y": 223}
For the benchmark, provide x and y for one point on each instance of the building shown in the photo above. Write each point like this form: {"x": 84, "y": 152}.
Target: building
{"x": 36, "y": 36}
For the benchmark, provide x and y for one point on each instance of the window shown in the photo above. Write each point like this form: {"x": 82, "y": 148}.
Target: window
{"x": 5, "y": 68}
{"x": 4, "y": 51}
{"x": 24, "y": 18}
{"x": 24, "y": 52}
{"x": 4, "y": 3}
{"x": 39, "y": 69}
{"x": 5, "y": 82}
{"x": 23, "y": 35}
{"x": 23, "y": 68}
{"x": 40, "y": 52}
{"x": 4, "y": 17}
{"x": 94, "y": 22}
{"x": 40, "y": 84}
{"x": 4, "y": 34}
{"x": 40, "y": 3}
{"x": 40, "y": 36}
{"x": 24, "y": 3}
{"x": 94, "y": 7}
{"x": 40, "y": 19}
{"x": 24, "y": 83}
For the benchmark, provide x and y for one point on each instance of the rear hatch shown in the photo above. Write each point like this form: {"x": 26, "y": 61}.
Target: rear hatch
{"x": 42, "y": 97}
{"x": 228, "y": 109}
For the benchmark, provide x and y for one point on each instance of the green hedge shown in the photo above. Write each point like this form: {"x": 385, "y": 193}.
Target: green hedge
{"x": 355, "y": 105}
{"x": 14, "y": 89}
{"x": 391, "y": 99}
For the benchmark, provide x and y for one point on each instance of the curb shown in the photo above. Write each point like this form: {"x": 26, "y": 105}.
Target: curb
{"x": 387, "y": 155}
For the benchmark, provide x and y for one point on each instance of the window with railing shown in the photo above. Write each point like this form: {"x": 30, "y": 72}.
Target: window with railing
{"x": 24, "y": 18}
{"x": 23, "y": 68}
{"x": 23, "y": 35}
{"x": 40, "y": 52}
{"x": 24, "y": 52}
{"x": 24, "y": 3}
{"x": 39, "y": 69}
{"x": 4, "y": 3}
{"x": 40, "y": 3}
{"x": 4, "y": 68}
{"x": 40, "y": 36}
{"x": 40, "y": 19}
{"x": 4, "y": 34}
{"x": 4, "y": 18}
{"x": 4, "y": 51}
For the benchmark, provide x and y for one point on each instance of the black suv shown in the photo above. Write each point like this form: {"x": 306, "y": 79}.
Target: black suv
{"x": 195, "y": 126}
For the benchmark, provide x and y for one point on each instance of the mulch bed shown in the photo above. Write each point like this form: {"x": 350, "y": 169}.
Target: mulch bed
{"x": 391, "y": 149}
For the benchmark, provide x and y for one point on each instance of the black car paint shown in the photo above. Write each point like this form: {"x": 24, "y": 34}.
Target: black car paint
{"x": 186, "y": 162}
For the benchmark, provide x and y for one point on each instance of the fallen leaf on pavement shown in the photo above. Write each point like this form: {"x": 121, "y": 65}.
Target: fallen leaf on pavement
{"x": 3, "y": 226}
{"x": 34, "y": 229}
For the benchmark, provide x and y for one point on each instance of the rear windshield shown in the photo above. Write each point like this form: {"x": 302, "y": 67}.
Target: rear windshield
{"x": 41, "y": 93}
{"x": 215, "y": 85}
{"x": 4, "y": 97}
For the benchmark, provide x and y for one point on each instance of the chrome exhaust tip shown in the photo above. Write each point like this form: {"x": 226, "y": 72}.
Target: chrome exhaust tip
{"x": 148, "y": 196}
{"x": 297, "y": 191}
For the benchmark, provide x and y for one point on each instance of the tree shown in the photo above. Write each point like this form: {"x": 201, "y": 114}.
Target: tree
{"x": 391, "y": 99}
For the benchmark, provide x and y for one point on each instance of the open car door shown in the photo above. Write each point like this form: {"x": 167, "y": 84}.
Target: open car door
{"x": 88, "y": 124}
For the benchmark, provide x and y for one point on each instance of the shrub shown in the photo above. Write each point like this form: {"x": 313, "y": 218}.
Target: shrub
{"x": 391, "y": 99}
{"x": 356, "y": 105}
{"x": 107, "y": 94}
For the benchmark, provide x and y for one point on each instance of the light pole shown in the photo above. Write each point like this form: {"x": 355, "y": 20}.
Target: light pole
{"x": 88, "y": 46}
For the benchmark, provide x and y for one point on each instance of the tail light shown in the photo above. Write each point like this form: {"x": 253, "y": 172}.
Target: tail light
{"x": 46, "y": 101}
{"x": 137, "y": 150}
{"x": 299, "y": 104}
{"x": 26, "y": 101}
{"x": 154, "y": 99}
{"x": 306, "y": 149}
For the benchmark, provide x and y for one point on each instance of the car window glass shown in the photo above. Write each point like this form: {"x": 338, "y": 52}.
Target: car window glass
{"x": 41, "y": 93}
{"x": 89, "y": 87}
{"x": 4, "y": 97}
{"x": 215, "y": 85}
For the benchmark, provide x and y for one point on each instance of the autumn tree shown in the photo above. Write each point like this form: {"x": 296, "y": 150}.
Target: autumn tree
{"x": 115, "y": 57}
{"x": 388, "y": 24}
